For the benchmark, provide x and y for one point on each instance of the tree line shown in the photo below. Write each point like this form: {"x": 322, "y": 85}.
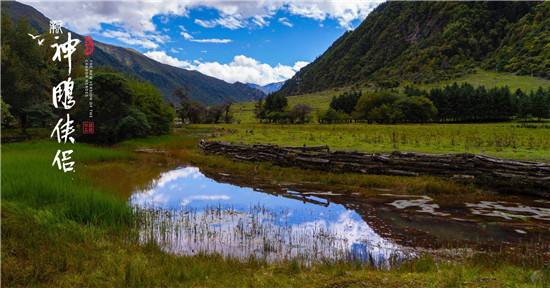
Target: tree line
{"x": 452, "y": 103}
{"x": 275, "y": 109}
{"x": 196, "y": 112}
{"x": 466, "y": 103}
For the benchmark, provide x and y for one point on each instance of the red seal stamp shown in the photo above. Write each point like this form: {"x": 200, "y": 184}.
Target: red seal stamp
{"x": 88, "y": 127}
{"x": 89, "y": 44}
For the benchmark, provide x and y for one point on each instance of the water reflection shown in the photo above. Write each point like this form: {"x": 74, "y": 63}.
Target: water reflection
{"x": 189, "y": 213}
{"x": 508, "y": 210}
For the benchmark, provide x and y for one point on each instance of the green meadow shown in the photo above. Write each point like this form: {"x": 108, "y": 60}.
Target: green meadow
{"x": 60, "y": 230}
{"x": 504, "y": 140}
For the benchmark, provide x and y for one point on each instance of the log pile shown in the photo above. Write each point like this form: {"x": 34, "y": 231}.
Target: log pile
{"x": 504, "y": 174}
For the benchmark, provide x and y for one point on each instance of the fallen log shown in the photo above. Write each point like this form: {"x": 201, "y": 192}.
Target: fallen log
{"x": 505, "y": 174}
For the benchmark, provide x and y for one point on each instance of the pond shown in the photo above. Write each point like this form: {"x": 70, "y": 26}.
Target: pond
{"x": 187, "y": 212}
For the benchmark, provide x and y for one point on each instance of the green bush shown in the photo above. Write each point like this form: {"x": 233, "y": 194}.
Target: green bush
{"x": 148, "y": 100}
{"x": 376, "y": 107}
{"x": 113, "y": 115}
{"x": 414, "y": 109}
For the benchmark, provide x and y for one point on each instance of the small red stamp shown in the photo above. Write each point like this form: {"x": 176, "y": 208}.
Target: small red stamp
{"x": 89, "y": 43}
{"x": 88, "y": 127}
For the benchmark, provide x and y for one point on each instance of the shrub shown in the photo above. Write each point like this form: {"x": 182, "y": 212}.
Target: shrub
{"x": 113, "y": 114}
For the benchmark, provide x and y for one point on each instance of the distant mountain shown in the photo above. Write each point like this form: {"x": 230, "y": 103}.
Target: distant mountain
{"x": 430, "y": 41}
{"x": 166, "y": 78}
{"x": 268, "y": 88}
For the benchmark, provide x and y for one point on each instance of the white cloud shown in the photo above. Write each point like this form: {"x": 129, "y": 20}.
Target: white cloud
{"x": 342, "y": 11}
{"x": 188, "y": 200}
{"x": 186, "y": 35}
{"x": 285, "y": 22}
{"x": 232, "y": 22}
{"x": 247, "y": 70}
{"x": 174, "y": 51}
{"x": 214, "y": 40}
{"x": 260, "y": 21}
{"x": 299, "y": 65}
{"x": 242, "y": 69}
{"x": 308, "y": 11}
{"x": 145, "y": 40}
{"x": 164, "y": 19}
{"x": 162, "y": 57}
{"x": 206, "y": 24}
{"x": 190, "y": 37}
{"x": 87, "y": 15}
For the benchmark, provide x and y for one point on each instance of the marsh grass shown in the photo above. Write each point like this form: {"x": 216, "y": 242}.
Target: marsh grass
{"x": 261, "y": 234}
{"x": 163, "y": 141}
{"x": 28, "y": 177}
{"x": 58, "y": 231}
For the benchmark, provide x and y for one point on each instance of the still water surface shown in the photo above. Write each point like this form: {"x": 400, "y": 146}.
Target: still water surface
{"x": 189, "y": 213}
{"x": 209, "y": 216}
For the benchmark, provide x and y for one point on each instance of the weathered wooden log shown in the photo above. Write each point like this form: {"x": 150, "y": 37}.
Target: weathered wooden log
{"x": 307, "y": 148}
{"x": 506, "y": 174}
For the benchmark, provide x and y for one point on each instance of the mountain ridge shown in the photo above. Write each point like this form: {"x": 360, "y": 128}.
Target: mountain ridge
{"x": 268, "y": 88}
{"x": 166, "y": 78}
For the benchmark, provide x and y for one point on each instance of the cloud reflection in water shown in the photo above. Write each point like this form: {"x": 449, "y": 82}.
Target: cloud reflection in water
{"x": 191, "y": 213}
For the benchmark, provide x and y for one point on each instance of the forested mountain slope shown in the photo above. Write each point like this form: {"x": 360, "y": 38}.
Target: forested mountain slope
{"x": 166, "y": 78}
{"x": 426, "y": 42}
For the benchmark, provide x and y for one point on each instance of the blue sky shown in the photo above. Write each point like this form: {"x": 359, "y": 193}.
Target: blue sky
{"x": 250, "y": 41}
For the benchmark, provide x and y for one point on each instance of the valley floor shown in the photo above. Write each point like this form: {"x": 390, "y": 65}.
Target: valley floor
{"x": 63, "y": 231}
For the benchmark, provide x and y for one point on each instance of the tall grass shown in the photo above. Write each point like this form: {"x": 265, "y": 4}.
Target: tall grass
{"x": 28, "y": 177}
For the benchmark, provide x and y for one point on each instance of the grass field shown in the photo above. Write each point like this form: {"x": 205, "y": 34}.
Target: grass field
{"x": 243, "y": 112}
{"x": 505, "y": 140}
{"x": 59, "y": 230}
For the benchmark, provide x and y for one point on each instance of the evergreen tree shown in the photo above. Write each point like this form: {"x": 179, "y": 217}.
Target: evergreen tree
{"x": 345, "y": 102}
{"x": 540, "y": 106}
{"x": 275, "y": 102}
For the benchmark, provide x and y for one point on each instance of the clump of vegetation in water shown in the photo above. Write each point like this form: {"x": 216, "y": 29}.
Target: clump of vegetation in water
{"x": 259, "y": 233}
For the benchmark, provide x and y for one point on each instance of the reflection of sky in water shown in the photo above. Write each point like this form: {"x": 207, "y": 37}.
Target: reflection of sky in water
{"x": 187, "y": 189}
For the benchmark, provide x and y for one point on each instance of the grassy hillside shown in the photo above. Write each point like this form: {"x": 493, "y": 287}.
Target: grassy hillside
{"x": 166, "y": 78}
{"x": 321, "y": 100}
{"x": 428, "y": 42}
